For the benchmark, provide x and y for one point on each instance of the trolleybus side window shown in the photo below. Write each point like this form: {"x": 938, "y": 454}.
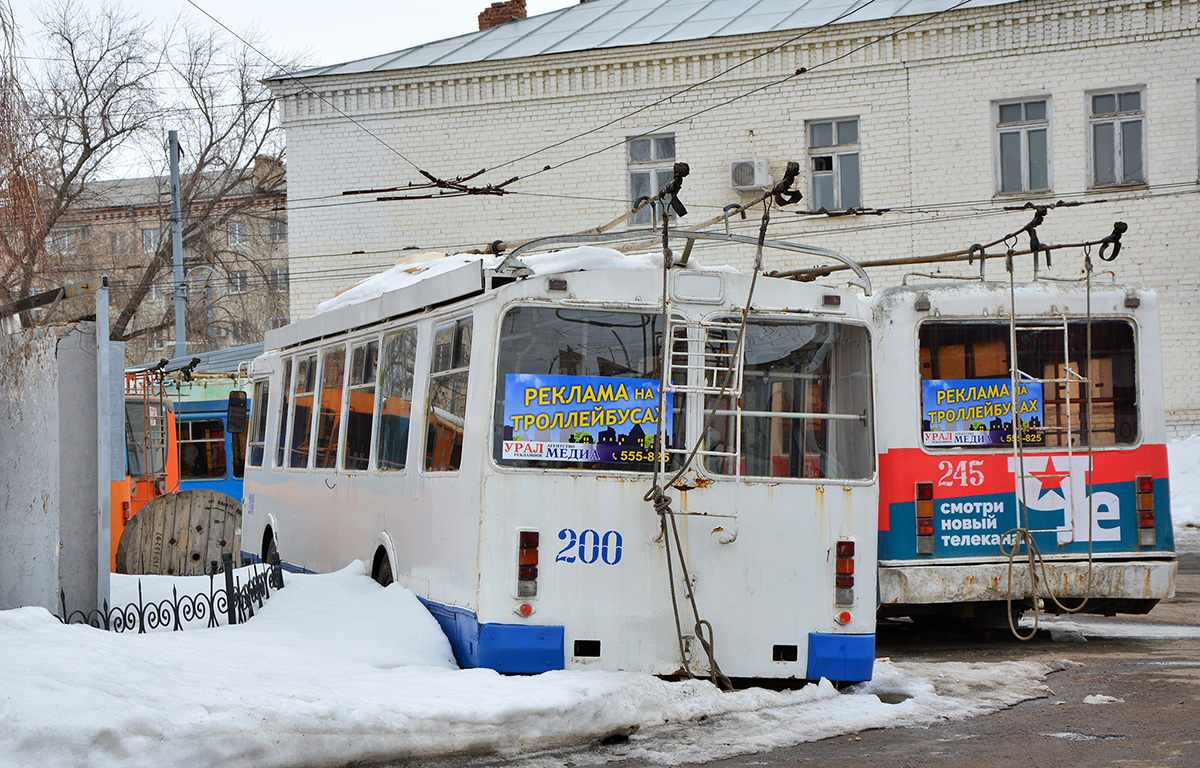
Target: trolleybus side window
{"x": 329, "y": 417}
{"x": 281, "y": 457}
{"x": 806, "y": 398}
{"x": 447, "y": 396}
{"x": 579, "y": 389}
{"x": 395, "y": 393}
{"x": 237, "y": 448}
{"x": 302, "y": 410}
{"x": 966, "y": 396}
{"x": 360, "y": 407}
{"x": 258, "y": 423}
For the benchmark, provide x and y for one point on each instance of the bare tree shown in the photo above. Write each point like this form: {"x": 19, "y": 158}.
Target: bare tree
{"x": 24, "y": 223}
{"x": 110, "y": 90}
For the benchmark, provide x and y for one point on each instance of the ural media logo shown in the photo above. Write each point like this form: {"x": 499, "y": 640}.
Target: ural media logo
{"x": 1055, "y": 490}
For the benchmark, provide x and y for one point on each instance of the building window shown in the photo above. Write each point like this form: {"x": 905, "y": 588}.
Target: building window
{"x": 276, "y": 231}
{"x": 1117, "y": 138}
{"x": 277, "y": 280}
{"x": 150, "y": 240}
{"x": 276, "y": 322}
{"x": 833, "y": 160}
{"x": 238, "y": 281}
{"x": 62, "y": 241}
{"x": 245, "y": 332}
{"x": 155, "y": 293}
{"x": 651, "y": 167}
{"x": 237, "y": 232}
{"x": 1023, "y": 131}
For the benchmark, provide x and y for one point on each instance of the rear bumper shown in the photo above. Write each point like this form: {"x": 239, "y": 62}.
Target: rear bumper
{"x": 840, "y": 658}
{"x": 926, "y": 583}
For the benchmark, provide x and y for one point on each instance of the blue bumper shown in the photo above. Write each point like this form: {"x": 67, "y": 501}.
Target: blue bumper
{"x": 509, "y": 648}
{"x": 840, "y": 658}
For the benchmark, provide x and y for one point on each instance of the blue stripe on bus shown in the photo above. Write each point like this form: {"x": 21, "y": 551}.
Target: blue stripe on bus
{"x": 509, "y": 648}
{"x": 841, "y": 658}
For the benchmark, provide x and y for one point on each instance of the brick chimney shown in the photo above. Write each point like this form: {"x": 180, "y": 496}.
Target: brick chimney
{"x": 498, "y": 13}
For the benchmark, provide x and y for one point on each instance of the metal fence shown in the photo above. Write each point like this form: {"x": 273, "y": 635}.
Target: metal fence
{"x": 235, "y": 602}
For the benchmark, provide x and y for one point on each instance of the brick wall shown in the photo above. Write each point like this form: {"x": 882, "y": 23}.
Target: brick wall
{"x": 924, "y": 101}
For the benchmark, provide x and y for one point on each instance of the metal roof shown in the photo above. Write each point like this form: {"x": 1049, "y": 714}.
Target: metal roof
{"x": 218, "y": 361}
{"x": 616, "y": 23}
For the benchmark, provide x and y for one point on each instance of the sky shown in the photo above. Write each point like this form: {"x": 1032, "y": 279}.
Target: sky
{"x": 330, "y": 31}
{"x": 335, "y": 668}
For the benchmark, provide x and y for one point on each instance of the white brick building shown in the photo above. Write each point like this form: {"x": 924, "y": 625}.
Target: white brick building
{"x": 1047, "y": 99}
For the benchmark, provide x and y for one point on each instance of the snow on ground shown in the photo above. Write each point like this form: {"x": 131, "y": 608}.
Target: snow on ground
{"x": 1183, "y": 459}
{"x": 337, "y": 669}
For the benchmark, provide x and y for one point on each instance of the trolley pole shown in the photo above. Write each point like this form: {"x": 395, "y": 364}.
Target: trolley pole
{"x": 177, "y": 250}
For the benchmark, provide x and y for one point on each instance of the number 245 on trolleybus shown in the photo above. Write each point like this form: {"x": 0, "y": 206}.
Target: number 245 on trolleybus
{"x": 488, "y": 441}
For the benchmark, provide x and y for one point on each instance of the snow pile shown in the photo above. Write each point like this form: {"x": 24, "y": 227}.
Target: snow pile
{"x": 1183, "y": 459}
{"x": 335, "y": 669}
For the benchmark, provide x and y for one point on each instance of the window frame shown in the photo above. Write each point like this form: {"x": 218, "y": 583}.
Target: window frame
{"x": 185, "y": 427}
{"x": 364, "y": 343}
{"x": 1133, "y": 401}
{"x": 1118, "y": 119}
{"x": 429, "y": 458}
{"x": 277, "y": 279}
{"x": 277, "y": 231}
{"x": 256, "y": 429}
{"x": 382, "y": 364}
{"x": 151, "y": 239}
{"x": 835, "y": 151}
{"x": 660, "y": 169}
{"x": 1022, "y": 128}
{"x": 840, "y": 384}
{"x": 235, "y": 233}
{"x": 681, "y": 412}
{"x": 239, "y": 281}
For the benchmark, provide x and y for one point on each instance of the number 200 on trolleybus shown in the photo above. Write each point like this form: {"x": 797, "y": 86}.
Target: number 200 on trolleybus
{"x": 1087, "y": 479}
{"x": 488, "y": 441}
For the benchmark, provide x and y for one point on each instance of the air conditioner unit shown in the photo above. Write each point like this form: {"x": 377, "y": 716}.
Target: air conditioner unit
{"x": 749, "y": 174}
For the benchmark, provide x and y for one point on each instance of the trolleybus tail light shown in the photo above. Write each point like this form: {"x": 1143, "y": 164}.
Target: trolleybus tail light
{"x": 527, "y": 561}
{"x": 1145, "y": 510}
{"x": 832, "y": 300}
{"x": 842, "y": 617}
{"x": 843, "y": 568}
{"x": 924, "y": 504}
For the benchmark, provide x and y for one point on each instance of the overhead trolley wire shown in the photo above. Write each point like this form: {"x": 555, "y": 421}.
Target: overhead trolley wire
{"x": 433, "y": 181}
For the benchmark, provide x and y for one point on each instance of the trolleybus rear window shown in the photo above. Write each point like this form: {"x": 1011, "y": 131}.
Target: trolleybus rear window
{"x": 580, "y": 389}
{"x": 966, "y": 384}
{"x": 805, "y": 403}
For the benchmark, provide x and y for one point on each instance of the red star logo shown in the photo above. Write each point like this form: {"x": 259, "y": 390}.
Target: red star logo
{"x": 1050, "y": 479}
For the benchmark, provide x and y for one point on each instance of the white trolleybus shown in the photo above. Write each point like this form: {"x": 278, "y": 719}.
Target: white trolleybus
{"x": 486, "y": 436}
{"x": 1079, "y": 499}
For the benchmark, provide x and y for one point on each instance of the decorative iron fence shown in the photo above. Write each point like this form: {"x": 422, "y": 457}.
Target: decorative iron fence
{"x": 235, "y": 602}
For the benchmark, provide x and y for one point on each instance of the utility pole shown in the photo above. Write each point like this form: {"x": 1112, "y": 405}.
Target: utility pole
{"x": 177, "y": 251}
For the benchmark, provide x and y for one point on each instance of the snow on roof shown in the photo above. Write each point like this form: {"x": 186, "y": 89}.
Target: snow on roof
{"x": 568, "y": 260}
{"x": 617, "y": 23}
